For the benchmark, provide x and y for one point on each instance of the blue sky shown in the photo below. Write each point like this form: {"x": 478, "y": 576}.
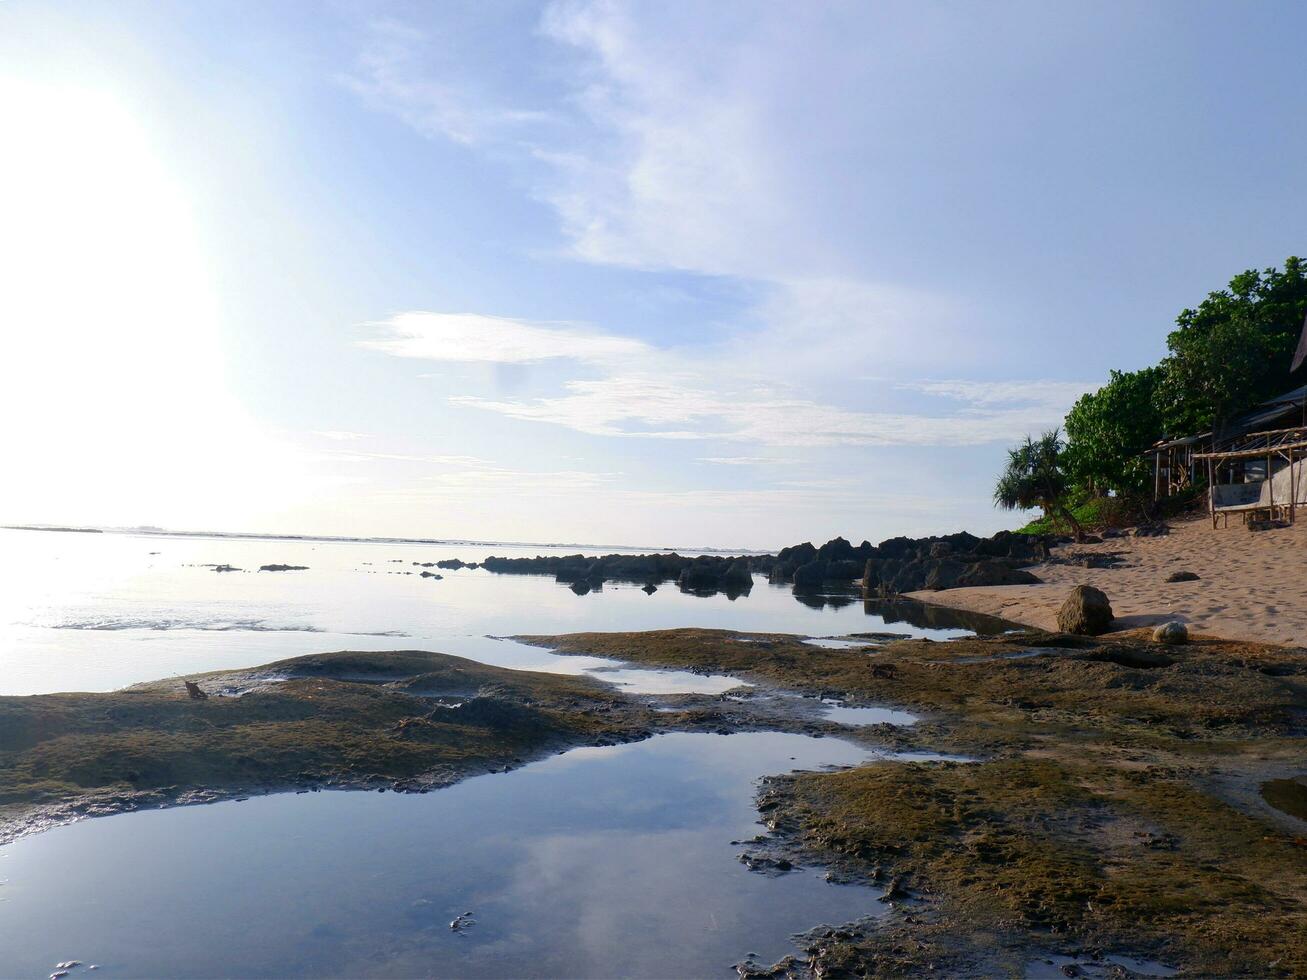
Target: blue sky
{"x": 693, "y": 274}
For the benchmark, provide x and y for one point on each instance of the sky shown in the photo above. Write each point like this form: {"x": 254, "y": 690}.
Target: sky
{"x": 662, "y": 274}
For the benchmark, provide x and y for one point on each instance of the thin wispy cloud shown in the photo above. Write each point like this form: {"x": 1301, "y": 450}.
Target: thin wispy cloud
{"x": 472, "y": 337}
{"x": 399, "y": 70}
{"x": 677, "y": 394}
{"x": 652, "y": 409}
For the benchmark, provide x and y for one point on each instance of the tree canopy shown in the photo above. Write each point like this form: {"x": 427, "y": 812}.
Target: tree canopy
{"x": 1224, "y": 357}
{"x": 1035, "y": 476}
{"x": 1107, "y": 430}
{"x": 1234, "y": 350}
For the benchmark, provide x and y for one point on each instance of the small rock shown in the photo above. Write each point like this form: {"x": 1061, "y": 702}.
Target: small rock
{"x": 894, "y": 891}
{"x": 1173, "y": 633}
{"x": 1182, "y": 577}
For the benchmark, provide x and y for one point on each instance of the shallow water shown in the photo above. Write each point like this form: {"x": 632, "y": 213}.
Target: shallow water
{"x": 838, "y": 711}
{"x": 95, "y": 612}
{"x": 835, "y": 643}
{"x": 599, "y": 862}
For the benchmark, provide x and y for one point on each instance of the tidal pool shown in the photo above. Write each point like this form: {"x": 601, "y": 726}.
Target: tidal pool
{"x": 834, "y": 710}
{"x": 599, "y": 862}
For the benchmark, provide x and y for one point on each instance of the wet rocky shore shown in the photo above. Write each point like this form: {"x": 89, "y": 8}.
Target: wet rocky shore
{"x": 1120, "y": 804}
{"x": 1036, "y": 798}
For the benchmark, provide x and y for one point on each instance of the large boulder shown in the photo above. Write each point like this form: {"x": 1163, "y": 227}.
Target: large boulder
{"x": 737, "y": 575}
{"x": 1086, "y": 612}
{"x": 844, "y": 570}
{"x": 836, "y": 549}
{"x": 943, "y": 573}
{"x": 810, "y": 576}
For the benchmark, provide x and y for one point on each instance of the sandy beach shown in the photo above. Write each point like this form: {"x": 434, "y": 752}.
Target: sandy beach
{"x": 1252, "y": 586}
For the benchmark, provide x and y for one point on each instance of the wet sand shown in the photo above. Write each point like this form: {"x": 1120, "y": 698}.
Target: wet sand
{"x": 1252, "y": 585}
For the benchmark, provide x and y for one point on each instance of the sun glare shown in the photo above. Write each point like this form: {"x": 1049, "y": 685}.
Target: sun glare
{"x": 113, "y": 368}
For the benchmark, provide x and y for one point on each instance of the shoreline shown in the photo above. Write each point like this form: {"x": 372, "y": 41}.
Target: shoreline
{"x": 1250, "y": 585}
{"x": 1087, "y": 798}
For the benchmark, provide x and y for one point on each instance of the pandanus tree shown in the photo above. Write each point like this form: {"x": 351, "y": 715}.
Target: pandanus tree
{"x": 1035, "y": 476}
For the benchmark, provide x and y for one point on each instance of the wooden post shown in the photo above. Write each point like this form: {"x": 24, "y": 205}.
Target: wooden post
{"x": 1270, "y": 484}
{"x": 1211, "y": 494}
{"x": 1293, "y": 490}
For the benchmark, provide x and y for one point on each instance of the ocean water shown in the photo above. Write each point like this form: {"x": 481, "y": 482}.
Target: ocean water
{"x": 95, "y": 612}
{"x": 599, "y": 862}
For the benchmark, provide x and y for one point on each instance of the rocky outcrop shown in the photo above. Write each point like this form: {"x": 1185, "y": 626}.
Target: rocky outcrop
{"x": 1182, "y": 577}
{"x": 909, "y": 564}
{"x": 283, "y": 568}
{"x": 889, "y": 568}
{"x": 456, "y": 563}
{"x": 1086, "y": 612}
{"x": 955, "y": 561}
{"x": 701, "y": 575}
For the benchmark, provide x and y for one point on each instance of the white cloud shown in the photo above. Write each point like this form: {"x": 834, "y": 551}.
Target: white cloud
{"x": 712, "y": 392}
{"x": 983, "y": 393}
{"x": 650, "y": 408}
{"x": 473, "y": 337}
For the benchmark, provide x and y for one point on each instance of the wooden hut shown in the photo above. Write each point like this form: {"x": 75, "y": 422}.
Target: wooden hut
{"x": 1255, "y": 467}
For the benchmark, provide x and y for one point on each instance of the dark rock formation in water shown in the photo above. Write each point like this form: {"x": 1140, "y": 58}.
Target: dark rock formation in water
{"x": 283, "y": 568}
{"x": 894, "y": 566}
{"x": 703, "y": 575}
{"x": 910, "y": 564}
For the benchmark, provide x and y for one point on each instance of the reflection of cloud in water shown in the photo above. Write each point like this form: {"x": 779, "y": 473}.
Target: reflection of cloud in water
{"x": 207, "y": 625}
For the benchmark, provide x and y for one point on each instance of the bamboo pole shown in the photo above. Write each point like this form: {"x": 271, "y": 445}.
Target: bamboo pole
{"x": 1211, "y": 494}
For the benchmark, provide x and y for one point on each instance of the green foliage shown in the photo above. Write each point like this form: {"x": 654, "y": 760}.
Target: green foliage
{"x": 1234, "y": 350}
{"x": 1108, "y": 429}
{"x": 1226, "y": 356}
{"x": 1036, "y": 476}
{"x": 1094, "y": 512}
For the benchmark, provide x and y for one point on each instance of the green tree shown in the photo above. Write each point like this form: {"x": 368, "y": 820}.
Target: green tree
{"x": 1108, "y": 429}
{"x": 1035, "y": 476}
{"x": 1234, "y": 350}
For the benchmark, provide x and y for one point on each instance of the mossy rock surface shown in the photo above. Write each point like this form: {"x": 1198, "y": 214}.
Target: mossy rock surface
{"x": 409, "y": 718}
{"x": 1112, "y": 806}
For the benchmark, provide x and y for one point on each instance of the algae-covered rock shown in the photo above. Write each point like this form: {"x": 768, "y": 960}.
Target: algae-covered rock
{"x": 1086, "y": 612}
